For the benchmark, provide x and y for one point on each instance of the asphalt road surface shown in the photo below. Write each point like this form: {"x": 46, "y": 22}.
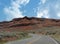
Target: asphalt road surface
{"x": 35, "y": 39}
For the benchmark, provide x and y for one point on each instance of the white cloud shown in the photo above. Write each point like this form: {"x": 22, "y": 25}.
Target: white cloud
{"x": 56, "y": 6}
{"x": 43, "y": 1}
{"x": 13, "y": 11}
{"x": 43, "y": 13}
{"x": 49, "y": 10}
{"x": 58, "y": 14}
{"x": 40, "y": 14}
{"x": 46, "y": 13}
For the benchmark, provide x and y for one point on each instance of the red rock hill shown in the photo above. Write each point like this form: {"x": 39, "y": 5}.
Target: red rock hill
{"x": 28, "y": 23}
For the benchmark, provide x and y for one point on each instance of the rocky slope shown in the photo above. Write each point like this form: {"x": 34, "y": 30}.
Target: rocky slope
{"x": 28, "y": 23}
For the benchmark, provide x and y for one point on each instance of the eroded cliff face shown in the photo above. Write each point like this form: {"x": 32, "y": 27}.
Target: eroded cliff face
{"x": 26, "y": 23}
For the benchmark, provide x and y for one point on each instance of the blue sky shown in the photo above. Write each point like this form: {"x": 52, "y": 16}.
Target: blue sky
{"x": 10, "y": 9}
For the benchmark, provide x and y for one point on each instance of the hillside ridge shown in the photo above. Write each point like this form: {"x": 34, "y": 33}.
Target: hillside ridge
{"x": 29, "y": 23}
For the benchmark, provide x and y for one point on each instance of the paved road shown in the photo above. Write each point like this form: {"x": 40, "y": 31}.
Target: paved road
{"x": 35, "y": 39}
{"x": 45, "y": 40}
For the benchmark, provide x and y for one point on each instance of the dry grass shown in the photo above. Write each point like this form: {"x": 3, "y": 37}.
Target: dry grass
{"x": 12, "y": 36}
{"x": 56, "y": 37}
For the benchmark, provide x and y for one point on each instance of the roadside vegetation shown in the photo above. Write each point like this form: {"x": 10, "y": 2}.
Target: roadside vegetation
{"x": 11, "y": 36}
{"x": 54, "y": 32}
{"x": 56, "y": 37}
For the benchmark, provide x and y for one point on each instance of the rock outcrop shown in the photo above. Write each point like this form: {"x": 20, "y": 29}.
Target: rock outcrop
{"x": 28, "y": 23}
